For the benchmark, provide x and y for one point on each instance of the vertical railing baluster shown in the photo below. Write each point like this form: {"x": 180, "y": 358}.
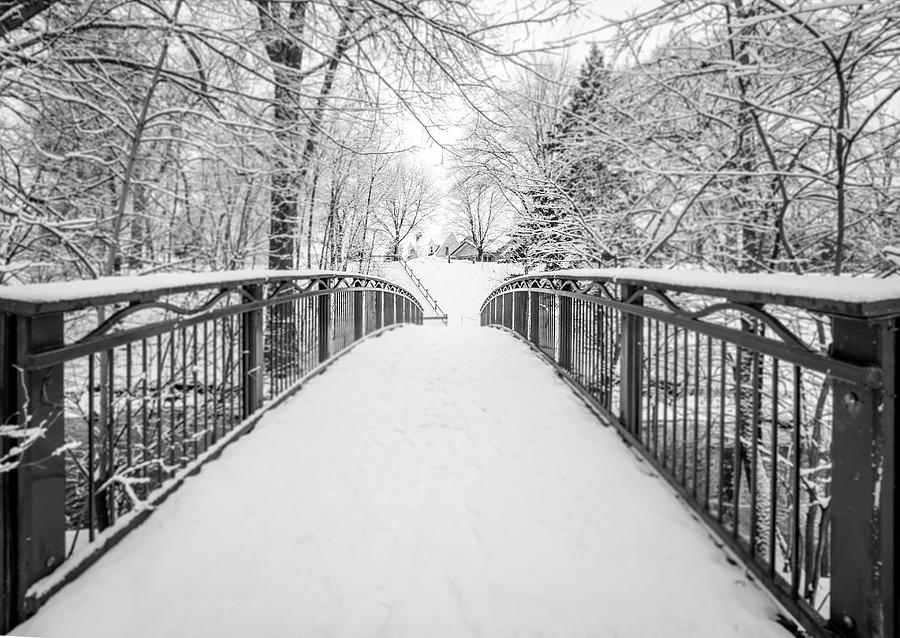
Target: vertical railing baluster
{"x": 145, "y": 418}
{"x": 773, "y": 476}
{"x": 110, "y": 439}
{"x": 323, "y": 314}
{"x": 564, "y": 333}
{"x": 128, "y": 408}
{"x": 252, "y": 351}
{"x": 695, "y": 432}
{"x": 707, "y": 465}
{"x": 665, "y": 396}
{"x": 92, "y": 449}
{"x": 195, "y": 432}
{"x": 723, "y": 392}
{"x": 630, "y": 382}
{"x": 172, "y": 420}
{"x": 214, "y": 391}
{"x": 796, "y": 440}
{"x": 754, "y": 451}
{"x": 738, "y": 446}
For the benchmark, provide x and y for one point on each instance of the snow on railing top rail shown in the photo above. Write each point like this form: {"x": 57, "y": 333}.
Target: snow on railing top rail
{"x": 72, "y": 295}
{"x": 844, "y": 295}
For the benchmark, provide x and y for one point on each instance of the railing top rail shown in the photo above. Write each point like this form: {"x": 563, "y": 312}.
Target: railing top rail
{"x": 64, "y": 296}
{"x": 844, "y": 295}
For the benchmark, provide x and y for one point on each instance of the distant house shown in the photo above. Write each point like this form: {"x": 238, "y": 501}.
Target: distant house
{"x": 447, "y": 247}
{"x": 453, "y": 248}
{"x": 464, "y": 250}
{"x": 467, "y": 250}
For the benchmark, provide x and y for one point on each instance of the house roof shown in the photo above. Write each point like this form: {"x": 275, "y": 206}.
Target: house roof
{"x": 465, "y": 242}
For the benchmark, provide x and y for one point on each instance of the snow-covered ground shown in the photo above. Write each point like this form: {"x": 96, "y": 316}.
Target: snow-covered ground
{"x": 394, "y": 271}
{"x": 461, "y": 286}
{"x": 431, "y": 483}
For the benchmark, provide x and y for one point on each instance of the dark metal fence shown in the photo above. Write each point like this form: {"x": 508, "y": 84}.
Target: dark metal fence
{"x": 110, "y": 398}
{"x": 772, "y": 414}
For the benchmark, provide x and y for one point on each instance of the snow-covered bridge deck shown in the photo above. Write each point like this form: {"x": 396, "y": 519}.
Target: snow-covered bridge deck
{"x": 432, "y": 482}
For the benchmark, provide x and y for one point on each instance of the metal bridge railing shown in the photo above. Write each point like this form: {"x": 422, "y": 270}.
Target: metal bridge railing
{"x": 113, "y": 391}
{"x": 771, "y": 410}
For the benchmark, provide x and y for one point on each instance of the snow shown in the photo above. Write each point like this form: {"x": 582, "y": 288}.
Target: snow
{"x": 431, "y": 483}
{"x": 393, "y": 271}
{"x": 460, "y": 287}
{"x": 68, "y": 291}
{"x": 840, "y": 289}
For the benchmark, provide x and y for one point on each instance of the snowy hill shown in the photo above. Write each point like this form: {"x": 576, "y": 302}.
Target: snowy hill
{"x": 393, "y": 271}
{"x": 461, "y": 286}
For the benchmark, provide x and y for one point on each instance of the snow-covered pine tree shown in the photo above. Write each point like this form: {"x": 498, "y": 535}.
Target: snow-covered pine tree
{"x": 583, "y": 207}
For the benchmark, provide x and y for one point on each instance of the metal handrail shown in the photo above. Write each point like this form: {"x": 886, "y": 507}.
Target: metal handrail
{"x": 770, "y": 412}
{"x": 427, "y": 295}
{"x": 115, "y": 390}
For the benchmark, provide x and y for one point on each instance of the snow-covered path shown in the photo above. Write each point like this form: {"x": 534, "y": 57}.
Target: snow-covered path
{"x": 433, "y": 483}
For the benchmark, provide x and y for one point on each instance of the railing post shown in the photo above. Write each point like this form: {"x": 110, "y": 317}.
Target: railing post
{"x": 32, "y": 502}
{"x": 7, "y": 511}
{"x": 863, "y": 506}
{"x": 252, "y": 352}
{"x": 534, "y": 318}
{"x": 564, "y": 332}
{"x": 630, "y": 362}
{"x": 359, "y": 317}
{"x": 324, "y": 323}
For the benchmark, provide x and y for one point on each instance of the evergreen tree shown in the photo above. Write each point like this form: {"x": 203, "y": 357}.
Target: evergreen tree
{"x": 580, "y": 210}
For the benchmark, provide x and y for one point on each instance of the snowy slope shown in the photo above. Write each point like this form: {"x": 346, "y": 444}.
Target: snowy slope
{"x": 460, "y": 286}
{"x": 467, "y": 493}
{"x": 393, "y": 271}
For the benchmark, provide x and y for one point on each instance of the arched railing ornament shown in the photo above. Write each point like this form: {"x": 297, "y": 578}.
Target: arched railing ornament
{"x": 141, "y": 306}
{"x": 586, "y": 288}
{"x": 777, "y": 327}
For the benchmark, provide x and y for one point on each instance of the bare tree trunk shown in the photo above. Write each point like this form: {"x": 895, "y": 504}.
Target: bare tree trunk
{"x": 113, "y": 254}
{"x": 286, "y": 52}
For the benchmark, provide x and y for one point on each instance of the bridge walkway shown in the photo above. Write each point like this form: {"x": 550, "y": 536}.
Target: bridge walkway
{"x": 433, "y": 482}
